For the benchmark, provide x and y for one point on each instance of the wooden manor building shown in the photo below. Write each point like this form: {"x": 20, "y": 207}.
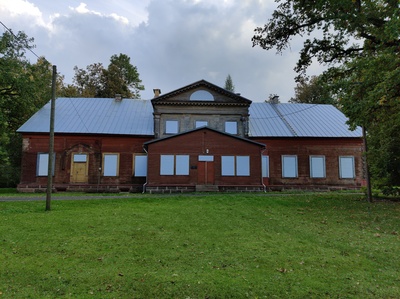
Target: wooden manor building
{"x": 197, "y": 138}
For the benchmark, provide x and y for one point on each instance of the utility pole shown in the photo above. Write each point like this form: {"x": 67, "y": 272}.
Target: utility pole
{"x": 51, "y": 140}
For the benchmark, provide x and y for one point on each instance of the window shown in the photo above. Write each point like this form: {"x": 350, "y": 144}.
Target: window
{"x": 140, "y": 165}
{"x": 346, "y": 167}
{"x": 235, "y": 166}
{"x": 201, "y": 123}
{"x": 265, "y": 166}
{"x": 80, "y": 158}
{"x": 42, "y": 166}
{"x": 171, "y": 127}
{"x": 174, "y": 165}
{"x": 289, "y": 166}
{"x": 231, "y": 127}
{"x": 317, "y": 167}
{"x": 110, "y": 164}
{"x": 201, "y": 95}
{"x": 182, "y": 165}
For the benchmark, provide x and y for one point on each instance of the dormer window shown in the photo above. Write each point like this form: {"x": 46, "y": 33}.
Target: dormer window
{"x": 201, "y": 95}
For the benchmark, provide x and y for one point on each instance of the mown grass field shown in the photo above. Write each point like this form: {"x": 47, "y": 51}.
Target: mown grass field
{"x": 328, "y": 245}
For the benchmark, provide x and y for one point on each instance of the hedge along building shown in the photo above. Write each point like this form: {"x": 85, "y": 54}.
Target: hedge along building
{"x": 199, "y": 137}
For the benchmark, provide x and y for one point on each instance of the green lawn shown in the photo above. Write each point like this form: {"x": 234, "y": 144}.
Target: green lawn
{"x": 328, "y": 245}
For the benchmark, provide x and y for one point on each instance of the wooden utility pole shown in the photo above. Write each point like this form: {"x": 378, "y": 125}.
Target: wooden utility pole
{"x": 51, "y": 140}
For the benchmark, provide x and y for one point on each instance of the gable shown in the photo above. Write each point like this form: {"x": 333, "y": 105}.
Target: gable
{"x": 203, "y": 137}
{"x": 201, "y": 93}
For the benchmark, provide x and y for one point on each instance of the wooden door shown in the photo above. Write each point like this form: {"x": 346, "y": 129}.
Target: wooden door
{"x": 79, "y": 168}
{"x": 205, "y": 173}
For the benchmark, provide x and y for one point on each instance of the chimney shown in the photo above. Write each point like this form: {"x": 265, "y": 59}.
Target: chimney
{"x": 157, "y": 92}
{"x": 118, "y": 97}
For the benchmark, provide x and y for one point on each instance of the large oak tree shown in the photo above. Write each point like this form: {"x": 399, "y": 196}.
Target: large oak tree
{"x": 359, "y": 42}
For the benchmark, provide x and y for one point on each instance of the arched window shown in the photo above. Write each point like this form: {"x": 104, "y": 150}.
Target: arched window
{"x": 201, "y": 95}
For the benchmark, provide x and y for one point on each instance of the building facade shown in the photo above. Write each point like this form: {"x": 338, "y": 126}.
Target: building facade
{"x": 197, "y": 138}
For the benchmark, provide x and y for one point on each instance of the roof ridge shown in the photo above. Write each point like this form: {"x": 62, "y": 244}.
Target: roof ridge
{"x": 284, "y": 120}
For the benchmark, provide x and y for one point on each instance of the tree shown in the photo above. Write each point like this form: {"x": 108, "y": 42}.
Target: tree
{"x": 312, "y": 91}
{"x": 120, "y": 77}
{"x": 359, "y": 42}
{"x": 24, "y": 88}
{"x": 273, "y": 99}
{"x": 229, "y": 84}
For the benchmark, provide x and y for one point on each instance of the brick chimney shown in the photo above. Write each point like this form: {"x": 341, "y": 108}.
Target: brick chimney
{"x": 157, "y": 92}
{"x": 118, "y": 97}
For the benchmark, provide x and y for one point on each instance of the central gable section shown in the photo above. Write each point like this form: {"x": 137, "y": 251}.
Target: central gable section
{"x": 200, "y": 104}
{"x": 180, "y": 159}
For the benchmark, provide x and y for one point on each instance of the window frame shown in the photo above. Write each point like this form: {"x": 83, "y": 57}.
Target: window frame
{"x": 174, "y": 165}
{"x": 230, "y": 166}
{"x": 312, "y": 165}
{"x": 229, "y": 127}
{"x": 137, "y": 163}
{"x": 42, "y": 167}
{"x": 204, "y": 123}
{"x": 171, "y": 126}
{"x": 265, "y": 166}
{"x": 341, "y": 167}
{"x": 296, "y": 170}
{"x": 105, "y": 165}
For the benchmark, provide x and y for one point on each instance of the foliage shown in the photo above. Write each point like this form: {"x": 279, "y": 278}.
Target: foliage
{"x": 229, "y": 84}
{"x": 24, "y": 88}
{"x": 201, "y": 246}
{"x": 120, "y": 77}
{"x": 359, "y": 42}
{"x": 273, "y": 99}
{"x": 312, "y": 91}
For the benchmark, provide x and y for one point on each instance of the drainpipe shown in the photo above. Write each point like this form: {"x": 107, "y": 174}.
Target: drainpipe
{"x": 262, "y": 179}
{"x": 145, "y": 184}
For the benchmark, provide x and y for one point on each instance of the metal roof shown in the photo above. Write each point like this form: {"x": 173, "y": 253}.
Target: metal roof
{"x": 135, "y": 117}
{"x": 94, "y": 116}
{"x": 298, "y": 120}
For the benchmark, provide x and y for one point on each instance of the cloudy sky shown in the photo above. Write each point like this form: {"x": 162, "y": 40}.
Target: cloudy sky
{"x": 171, "y": 42}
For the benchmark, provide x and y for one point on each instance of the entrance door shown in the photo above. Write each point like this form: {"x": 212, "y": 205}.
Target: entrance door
{"x": 205, "y": 171}
{"x": 79, "y": 168}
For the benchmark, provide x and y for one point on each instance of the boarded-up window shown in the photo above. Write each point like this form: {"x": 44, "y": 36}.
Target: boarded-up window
{"x": 231, "y": 127}
{"x": 42, "y": 164}
{"x": 110, "y": 164}
{"x": 289, "y": 166}
{"x": 235, "y": 165}
{"x": 265, "y": 166}
{"x": 140, "y": 168}
{"x": 346, "y": 167}
{"x": 171, "y": 127}
{"x": 174, "y": 165}
{"x": 317, "y": 167}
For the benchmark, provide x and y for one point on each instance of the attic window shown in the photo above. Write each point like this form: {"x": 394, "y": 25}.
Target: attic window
{"x": 201, "y": 95}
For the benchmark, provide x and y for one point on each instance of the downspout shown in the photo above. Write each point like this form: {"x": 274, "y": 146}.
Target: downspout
{"x": 145, "y": 184}
{"x": 262, "y": 178}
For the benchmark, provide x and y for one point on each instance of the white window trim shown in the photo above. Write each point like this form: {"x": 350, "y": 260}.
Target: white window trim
{"x": 42, "y": 166}
{"x": 230, "y": 166}
{"x": 353, "y": 170}
{"x": 110, "y": 173}
{"x": 265, "y": 166}
{"x": 174, "y": 165}
{"x": 168, "y": 126}
{"x": 312, "y": 175}
{"x": 139, "y": 169}
{"x": 296, "y": 170}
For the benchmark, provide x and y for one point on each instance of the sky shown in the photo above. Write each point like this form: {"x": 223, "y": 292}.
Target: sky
{"x": 173, "y": 43}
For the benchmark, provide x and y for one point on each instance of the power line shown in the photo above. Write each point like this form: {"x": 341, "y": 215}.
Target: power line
{"x": 12, "y": 33}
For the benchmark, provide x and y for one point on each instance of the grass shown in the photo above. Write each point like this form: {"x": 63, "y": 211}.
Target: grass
{"x": 201, "y": 246}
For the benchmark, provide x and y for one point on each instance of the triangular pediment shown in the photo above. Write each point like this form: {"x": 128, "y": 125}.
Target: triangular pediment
{"x": 201, "y": 93}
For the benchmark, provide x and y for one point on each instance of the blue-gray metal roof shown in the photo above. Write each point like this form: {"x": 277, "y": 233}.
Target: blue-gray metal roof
{"x": 135, "y": 117}
{"x": 298, "y": 120}
{"x": 94, "y": 116}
